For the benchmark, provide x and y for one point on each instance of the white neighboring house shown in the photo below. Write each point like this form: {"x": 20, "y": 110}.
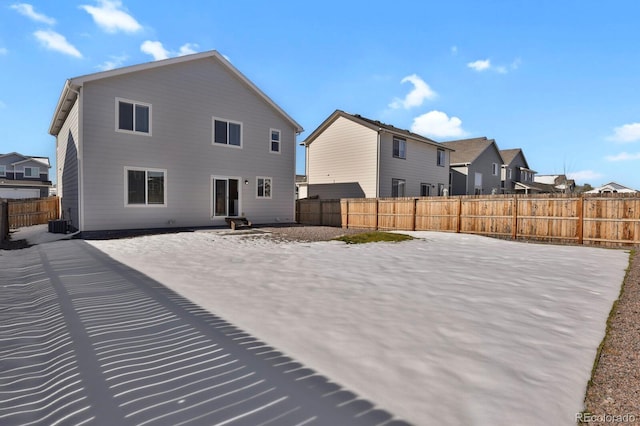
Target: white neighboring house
{"x": 350, "y": 156}
{"x": 181, "y": 142}
{"x": 612, "y": 187}
{"x": 24, "y": 176}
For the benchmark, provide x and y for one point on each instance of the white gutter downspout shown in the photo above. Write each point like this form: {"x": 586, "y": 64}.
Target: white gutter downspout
{"x": 80, "y": 161}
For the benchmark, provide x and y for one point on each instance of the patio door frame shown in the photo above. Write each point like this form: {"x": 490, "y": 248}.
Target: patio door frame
{"x": 213, "y": 199}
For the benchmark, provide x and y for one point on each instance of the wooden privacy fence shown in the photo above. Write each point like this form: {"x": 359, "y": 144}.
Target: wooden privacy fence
{"x": 611, "y": 220}
{"x": 33, "y": 211}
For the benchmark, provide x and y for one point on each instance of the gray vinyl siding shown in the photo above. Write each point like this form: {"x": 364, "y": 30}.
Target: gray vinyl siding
{"x": 67, "y": 163}
{"x": 184, "y": 97}
{"x": 483, "y": 164}
{"x": 419, "y": 166}
{"x": 343, "y": 161}
{"x": 459, "y": 184}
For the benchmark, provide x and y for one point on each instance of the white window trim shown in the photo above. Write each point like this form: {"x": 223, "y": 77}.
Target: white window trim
{"x": 228, "y": 145}
{"x": 270, "y": 187}
{"x": 133, "y": 132}
{"x": 3, "y": 170}
{"x": 279, "y": 141}
{"x": 401, "y": 141}
{"x": 146, "y": 188}
{"x": 509, "y": 173}
{"x": 35, "y": 171}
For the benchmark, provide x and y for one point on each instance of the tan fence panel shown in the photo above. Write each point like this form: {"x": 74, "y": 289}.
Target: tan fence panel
{"x": 548, "y": 218}
{"x": 487, "y": 215}
{"x": 396, "y": 214}
{"x": 437, "y": 214}
{"x": 611, "y": 221}
{"x": 33, "y": 212}
{"x": 361, "y": 213}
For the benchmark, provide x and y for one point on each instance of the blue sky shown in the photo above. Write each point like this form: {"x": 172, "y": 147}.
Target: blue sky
{"x": 559, "y": 79}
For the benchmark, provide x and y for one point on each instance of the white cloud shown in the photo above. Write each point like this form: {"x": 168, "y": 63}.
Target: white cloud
{"x": 4, "y": 51}
{"x": 416, "y": 97}
{"x": 485, "y": 65}
{"x": 112, "y": 63}
{"x": 54, "y": 41}
{"x": 454, "y": 50}
{"x": 110, "y": 16}
{"x": 28, "y": 11}
{"x": 584, "y": 175}
{"x": 155, "y": 49}
{"x": 438, "y": 125}
{"x": 623, "y": 156}
{"x": 187, "y": 49}
{"x": 480, "y": 65}
{"x": 626, "y": 133}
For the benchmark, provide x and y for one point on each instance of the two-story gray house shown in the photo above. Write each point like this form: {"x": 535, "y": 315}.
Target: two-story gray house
{"x": 186, "y": 141}
{"x": 476, "y": 166}
{"x": 517, "y": 176}
{"x": 350, "y": 156}
{"x": 23, "y": 176}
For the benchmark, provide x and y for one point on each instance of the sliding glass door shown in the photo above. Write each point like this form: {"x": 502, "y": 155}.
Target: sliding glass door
{"x": 226, "y": 197}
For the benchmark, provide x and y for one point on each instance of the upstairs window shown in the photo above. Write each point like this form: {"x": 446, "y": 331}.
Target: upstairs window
{"x": 509, "y": 173}
{"x": 145, "y": 187}
{"x": 133, "y": 116}
{"x": 32, "y": 172}
{"x": 441, "y": 157}
{"x": 227, "y": 132}
{"x": 274, "y": 143}
{"x": 494, "y": 169}
{"x": 399, "y": 148}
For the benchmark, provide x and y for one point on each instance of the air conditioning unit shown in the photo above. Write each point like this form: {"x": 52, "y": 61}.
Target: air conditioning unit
{"x": 58, "y": 226}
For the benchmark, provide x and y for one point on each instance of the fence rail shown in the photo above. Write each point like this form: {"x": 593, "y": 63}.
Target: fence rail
{"x": 33, "y": 211}
{"x": 611, "y": 220}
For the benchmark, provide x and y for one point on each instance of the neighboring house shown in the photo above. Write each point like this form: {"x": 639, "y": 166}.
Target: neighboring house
{"x": 23, "y": 176}
{"x": 516, "y": 174}
{"x": 186, "y": 141}
{"x": 476, "y": 166}
{"x": 554, "y": 184}
{"x": 350, "y": 156}
{"x": 611, "y": 187}
{"x": 301, "y": 187}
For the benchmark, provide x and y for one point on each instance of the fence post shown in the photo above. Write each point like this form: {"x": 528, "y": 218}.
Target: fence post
{"x": 580, "y": 224}
{"x": 377, "y": 211}
{"x": 459, "y": 224}
{"x": 415, "y": 212}
{"x": 514, "y": 222}
{"x": 344, "y": 213}
{"x": 321, "y": 218}
{"x": 4, "y": 220}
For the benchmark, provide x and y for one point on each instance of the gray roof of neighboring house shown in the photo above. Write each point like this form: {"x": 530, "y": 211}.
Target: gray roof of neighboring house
{"x": 373, "y": 124}
{"x": 71, "y": 86}
{"x": 509, "y": 154}
{"x": 25, "y": 158}
{"x": 467, "y": 150}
